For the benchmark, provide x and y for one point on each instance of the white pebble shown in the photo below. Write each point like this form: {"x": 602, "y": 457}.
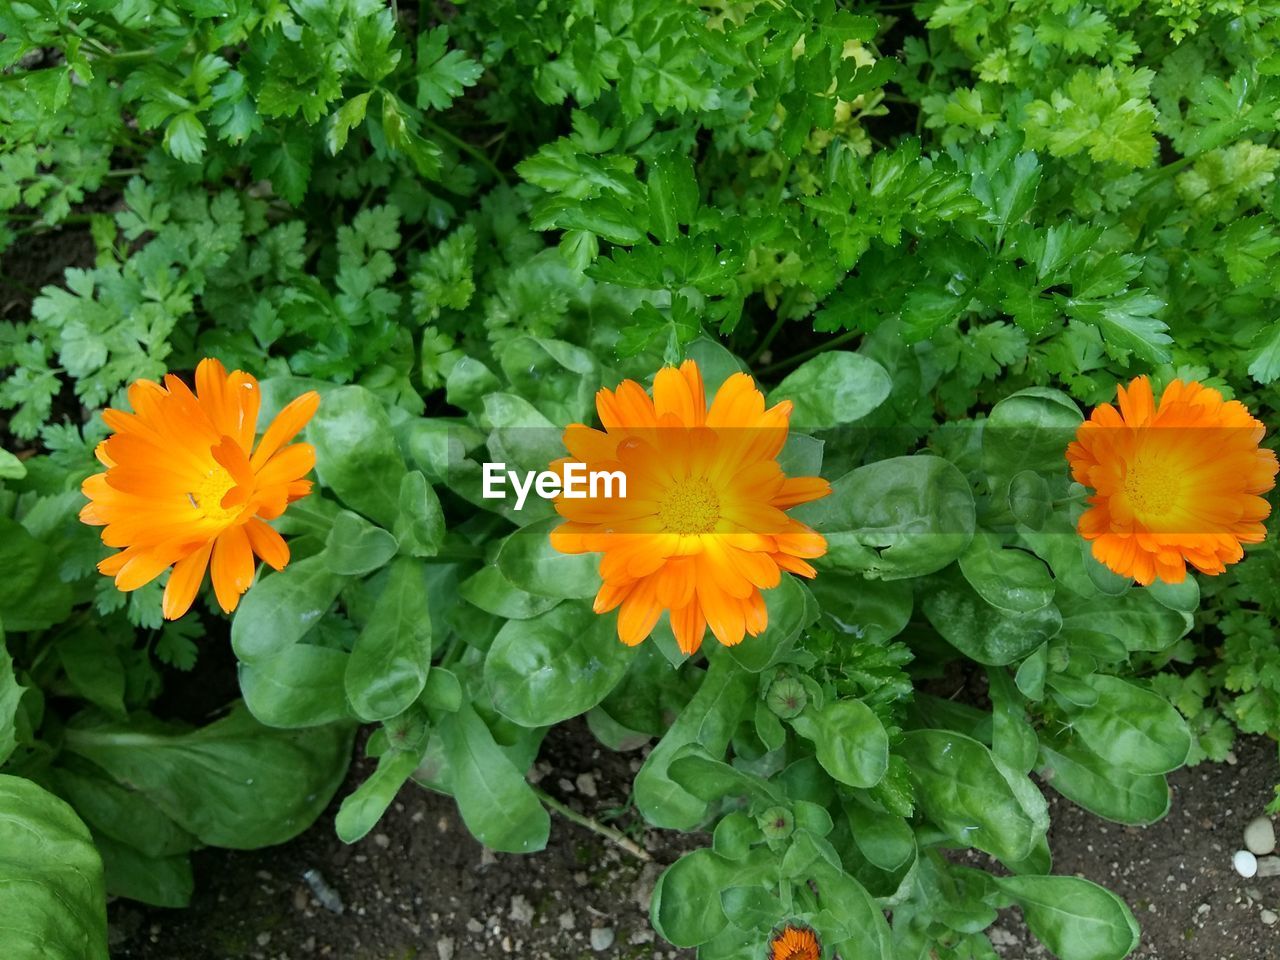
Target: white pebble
{"x": 1260, "y": 836}
{"x": 1269, "y": 917}
{"x": 1246, "y": 864}
{"x": 601, "y": 938}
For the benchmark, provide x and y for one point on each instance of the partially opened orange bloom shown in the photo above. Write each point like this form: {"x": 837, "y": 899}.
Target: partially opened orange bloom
{"x": 1177, "y": 483}
{"x": 794, "y": 943}
{"x": 185, "y": 488}
{"x": 701, "y": 530}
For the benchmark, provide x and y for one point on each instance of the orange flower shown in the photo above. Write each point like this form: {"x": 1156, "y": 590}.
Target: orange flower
{"x": 1176, "y": 483}
{"x": 794, "y": 943}
{"x": 701, "y": 530}
{"x": 185, "y": 488}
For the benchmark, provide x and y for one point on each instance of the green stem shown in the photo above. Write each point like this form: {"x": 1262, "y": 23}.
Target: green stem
{"x": 801, "y": 357}
{"x": 478, "y": 155}
{"x": 595, "y": 826}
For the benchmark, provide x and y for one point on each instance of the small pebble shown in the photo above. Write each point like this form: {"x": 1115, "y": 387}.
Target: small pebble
{"x": 586, "y": 784}
{"x": 601, "y": 939}
{"x": 444, "y": 948}
{"x": 1269, "y": 917}
{"x": 1260, "y": 836}
{"x": 1246, "y": 864}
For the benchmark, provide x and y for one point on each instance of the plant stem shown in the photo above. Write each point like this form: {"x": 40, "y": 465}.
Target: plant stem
{"x": 800, "y": 357}
{"x": 478, "y": 155}
{"x": 595, "y": 826}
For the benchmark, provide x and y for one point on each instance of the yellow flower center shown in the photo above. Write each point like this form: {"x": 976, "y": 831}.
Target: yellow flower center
{"x": 206, "y": 498}
{"x": 1152, "y": 487}
{"x": 691, "y": 506}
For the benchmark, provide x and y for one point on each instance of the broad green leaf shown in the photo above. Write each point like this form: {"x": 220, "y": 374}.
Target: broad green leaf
{"x": 356, "y": 547}
{"x": 1075, "y": 918}
{"x": 558, "y": 378}
{"x": 493, "y": 593}
{"x": 1029, "y": 430}
{"x": 554, "y": 666}
{"x": 363, "y": 808}
{"x": 1132, "y": 727}
{"x": 964, "y": 790}
{"x": 159, "y": 881}
{"x": 356, "y": 455}
{"x": 497, "y": 805}
{"x": 32, "y": 595}
{"x": 281, "y": 608}
{"x": 52, "y": 897}
{"x": 1137, "y": 619}
{"x": 709, "y": 720}
{"x": 1013, "y": 739}
{"x": 11, "y": 468}
{"x": 94, "y": 668}
{"x": 709, "y": 778}
{"x": 885, "y": 839}
{"x": 874, "y": 611}
{"x": 894, "y": 519}
{"x": 791, "y": 608}
{"x": 984, "y": 633}
{"x": 685, "y": 908}
{"x": 420, "y": 528}
{"x": 834, "y": 388}
{"x": 528, "y": 560}
{"x": 114, "y": 810}
{"x": 207, "y": 778}
{"x": 1010, "y": 579}
{"x": 1086, "y": 779}
{"x": 10, "y": 696}
{"x": 850, "y": 741}
{"x": 389, "y": 662}
{"x": 301, "y": 686}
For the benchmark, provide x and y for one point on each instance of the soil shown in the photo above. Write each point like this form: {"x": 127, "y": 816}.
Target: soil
{"x": 420, "y": 888}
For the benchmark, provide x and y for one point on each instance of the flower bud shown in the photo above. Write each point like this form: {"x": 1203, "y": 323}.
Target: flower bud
{"x": 787, "y": 697}
{"x": 776, "y": 823}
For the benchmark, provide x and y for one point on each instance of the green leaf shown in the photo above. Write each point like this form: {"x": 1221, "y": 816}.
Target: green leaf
{"x": 11, "y": 468}
{"x": 362, "y": 809}
{"x": 1132, "y": 727}
{"x": 528, "y": 560}
{"x": 497, "y": 805}
{"x": 159, "y": 881}
{"x": 1086, "y": 779}
{"x": 1128, "y": 324}
{"x": 709, "y": 719}
{"x": 493, "y": 593}
{"x": 391, "y": 657}
{"x": 345, "y": 118}
{"x": 972, "y": 798}
{"x": 1075, "y": 918}
{"x": 850, "y": 742}
{"x": 184, "y": 138}
{"x": 355, "y": 546}
{"x": 233, "y": 783}
{"x": 985, "y": 633}
{"x": 52, "y": 897}
{"x": 791, "y": 608}
{"x": 282, "y": 608}
{"x": 834, "y": 388}
{"x": 442, "y": 76}
{"x": 685, "y": 908}
{"x": 554, "y": 666}
{"x": 10, "y": 697}
{"x": 356, "y": 455}
{"x": 420, "y": 528}
{"x": 1009, "y": 579}
{"x": 32, "y": 595}
{"x": 303, "y": 685}
{"x": 1029, "y": 430}
{"x": 673, "y": 195}
{"x": 894, "y": 519}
